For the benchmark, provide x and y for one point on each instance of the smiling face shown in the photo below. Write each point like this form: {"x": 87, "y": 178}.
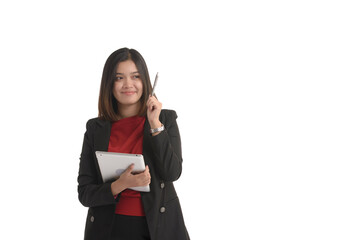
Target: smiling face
{"x": 128, "y": 86}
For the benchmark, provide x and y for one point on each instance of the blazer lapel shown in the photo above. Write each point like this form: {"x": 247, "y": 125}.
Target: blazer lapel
{"x": 146, "y": 140}
{"x": 102, "y": 136}
{"x": 146, "y": 197}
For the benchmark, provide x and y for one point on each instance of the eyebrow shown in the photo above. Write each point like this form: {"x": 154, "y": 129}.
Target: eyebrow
{"x": 123, "y": 73}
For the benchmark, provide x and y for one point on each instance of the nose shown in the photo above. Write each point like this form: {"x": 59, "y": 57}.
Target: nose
{"x": 127, "y": 82}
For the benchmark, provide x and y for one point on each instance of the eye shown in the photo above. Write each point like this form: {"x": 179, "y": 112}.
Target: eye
{"x": 118, "y": 78}
{"x": 135, "y": 77}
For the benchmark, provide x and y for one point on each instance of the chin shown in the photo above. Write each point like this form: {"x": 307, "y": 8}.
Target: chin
{"x": 129, "y": 102}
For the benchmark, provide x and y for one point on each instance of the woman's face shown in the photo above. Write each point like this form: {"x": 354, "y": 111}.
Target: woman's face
{"x": 128, "y": 87}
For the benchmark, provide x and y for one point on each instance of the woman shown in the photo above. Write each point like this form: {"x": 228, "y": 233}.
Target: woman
{"x": 131, "y": 121}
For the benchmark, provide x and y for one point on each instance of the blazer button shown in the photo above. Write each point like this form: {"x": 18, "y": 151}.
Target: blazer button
{"x": 162, "y": 209}
{"x": 162, "y": 185}
{"x": 92, "y": 219}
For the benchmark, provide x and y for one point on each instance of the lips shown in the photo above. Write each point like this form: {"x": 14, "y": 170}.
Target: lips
{"x": 128, "y": 92}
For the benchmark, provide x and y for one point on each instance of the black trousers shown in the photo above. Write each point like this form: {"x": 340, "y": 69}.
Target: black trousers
{"x": 129, "y": 228}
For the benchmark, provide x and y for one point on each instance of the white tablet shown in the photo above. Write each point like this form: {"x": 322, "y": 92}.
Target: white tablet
{"x": 112, "y": 165}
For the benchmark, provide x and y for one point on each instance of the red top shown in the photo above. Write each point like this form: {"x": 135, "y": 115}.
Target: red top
{"x": 127, "y": 137}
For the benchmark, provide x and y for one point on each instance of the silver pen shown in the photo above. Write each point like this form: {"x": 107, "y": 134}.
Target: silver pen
{"x": 156, "y": 79}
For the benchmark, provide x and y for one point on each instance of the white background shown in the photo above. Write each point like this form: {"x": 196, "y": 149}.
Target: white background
{"x": 267, "y": 94}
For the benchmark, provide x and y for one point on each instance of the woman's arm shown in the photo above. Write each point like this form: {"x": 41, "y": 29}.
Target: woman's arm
{"x": 166, "y": 147}
{"x": 91, "y": 193}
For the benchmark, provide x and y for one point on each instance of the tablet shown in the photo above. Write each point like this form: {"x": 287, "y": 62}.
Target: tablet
{"x": 112, "y": 165}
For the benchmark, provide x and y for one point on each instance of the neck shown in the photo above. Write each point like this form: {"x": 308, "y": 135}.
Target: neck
{"x": 126, "y": 111}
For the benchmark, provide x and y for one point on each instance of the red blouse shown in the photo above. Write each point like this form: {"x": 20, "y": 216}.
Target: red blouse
{"x": 127, "y": 137}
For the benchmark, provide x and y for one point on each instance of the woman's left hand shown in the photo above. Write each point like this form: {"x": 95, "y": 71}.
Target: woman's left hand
{"x": 153, "y": 112}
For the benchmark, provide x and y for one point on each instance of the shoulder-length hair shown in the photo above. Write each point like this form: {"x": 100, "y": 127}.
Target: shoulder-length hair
{"x": 108, "y": 105}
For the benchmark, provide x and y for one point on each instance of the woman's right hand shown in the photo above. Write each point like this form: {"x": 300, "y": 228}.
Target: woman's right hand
{"x": 128, "y": 179}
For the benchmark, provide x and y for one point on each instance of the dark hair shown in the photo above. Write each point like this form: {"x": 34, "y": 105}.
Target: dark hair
{"x": 108, "y": 105}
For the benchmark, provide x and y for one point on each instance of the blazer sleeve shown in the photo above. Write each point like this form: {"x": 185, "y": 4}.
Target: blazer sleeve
{"x": 166, "y": 147}
{"x": 91, "y": 191}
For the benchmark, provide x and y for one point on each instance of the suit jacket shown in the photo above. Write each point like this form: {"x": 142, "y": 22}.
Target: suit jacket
{"x": 163, "y": 155}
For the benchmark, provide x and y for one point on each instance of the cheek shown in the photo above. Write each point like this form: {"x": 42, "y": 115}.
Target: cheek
{"x": 116, "y": 88}
{"x": 140, "y": 87}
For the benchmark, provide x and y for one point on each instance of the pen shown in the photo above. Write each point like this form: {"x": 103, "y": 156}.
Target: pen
{"x": 156, "y": 78}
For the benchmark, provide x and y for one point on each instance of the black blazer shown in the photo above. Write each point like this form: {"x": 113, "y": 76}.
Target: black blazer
{"x": 163, "y": 155}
